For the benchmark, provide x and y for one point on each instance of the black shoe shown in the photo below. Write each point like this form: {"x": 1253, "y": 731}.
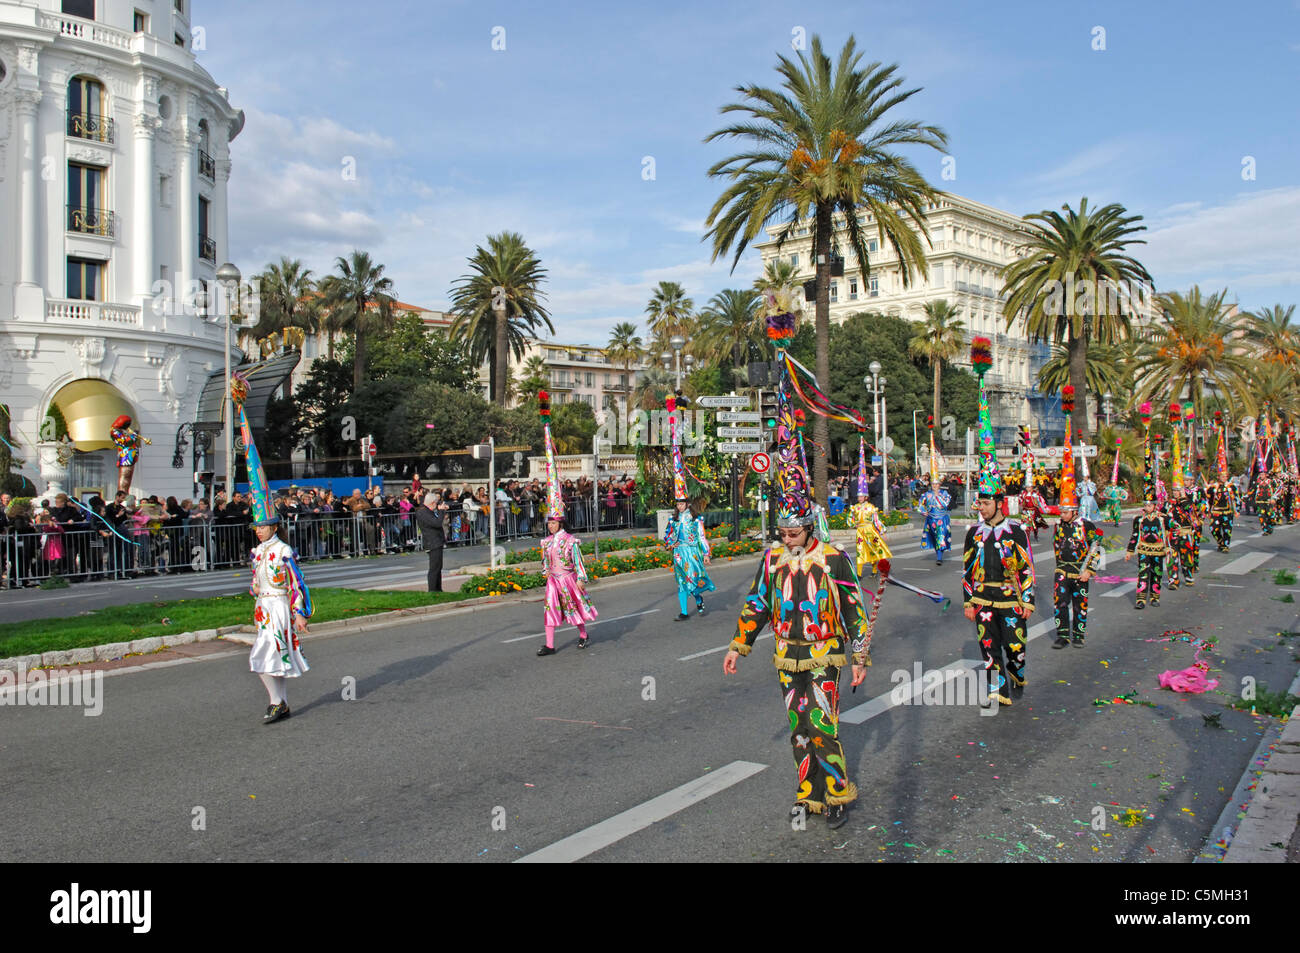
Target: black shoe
{"x": 1078, "y": 640}
{"x": 1061, "y": 642}
{"x": 276, "y": 713}
{"x": 681, "y": 617}
{"x": 583, "y": 643}
{"x": 546, "y": 650}
{"x": 1155, "y": 603}
{"x": 1139, "y": 605}
{"x": 699, "y": 607}
{"x": 836, "y": 815}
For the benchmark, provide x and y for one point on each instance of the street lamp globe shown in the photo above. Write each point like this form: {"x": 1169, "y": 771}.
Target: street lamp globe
{"x": 228, "y": 274}
{"x": 874, "y": 368}
{"x": 677, "y": 341}
{"x": 690, "y": 360}
{"x": 666, "y": 357}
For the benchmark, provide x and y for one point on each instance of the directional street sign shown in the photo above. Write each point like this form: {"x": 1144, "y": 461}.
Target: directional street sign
{"x": 744, "y": 433}
{"x": 722, "y": 401}
{"x": 740, "y": 447}
{"x": 739, "y": 417}
{"x": 1084, "y": 450}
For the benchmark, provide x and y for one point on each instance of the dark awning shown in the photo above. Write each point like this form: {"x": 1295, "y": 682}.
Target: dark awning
{"x": 264, "y": 379}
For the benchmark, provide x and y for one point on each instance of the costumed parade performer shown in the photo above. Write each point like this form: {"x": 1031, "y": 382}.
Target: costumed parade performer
{"x": 808, "y": 591}
{"x": 1031, "y": 501}
{"x": 865, "y": 518}
{"x": 1115, "y": 494}
{"x": 567, "y": 602}
{"x": 685, "y": 534}
{"x": 934, "y": 503}
{"x": 1222, "y": 503}
{"x": 128, "y": 442}
{"x": 997, "y": 563}
{"x": 1150, "y": 537}
{"x": 283, "y": 601}
{"x": 1182, "y": 526}
{"x": 1076, "y": 544}
{"x": 1087, "y": 489}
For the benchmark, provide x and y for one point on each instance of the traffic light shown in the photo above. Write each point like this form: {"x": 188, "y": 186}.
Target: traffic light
{"x": 769, "y": 405}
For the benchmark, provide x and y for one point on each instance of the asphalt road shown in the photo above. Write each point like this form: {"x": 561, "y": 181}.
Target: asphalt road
{"x": 462, "y": 745}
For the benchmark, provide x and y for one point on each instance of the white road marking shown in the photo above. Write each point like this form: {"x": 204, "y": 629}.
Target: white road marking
{"x": 1225, "y": 585}
{"x": 1244, "y": 564}
{"x": 538, "y": 635}
{"x": 599, "y": 836}
{"x": 720, "y": 648}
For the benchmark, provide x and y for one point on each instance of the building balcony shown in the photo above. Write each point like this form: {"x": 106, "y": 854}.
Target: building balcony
{"x": 207, "y": 249}
{"x": 94, "y": 128}
{"x": 561, "y": 385}
{"x": 617, "y": 388}
{"x": 92, "y": 221}
{"x": 207, "y": 166}
{"x": 92, "y": 312}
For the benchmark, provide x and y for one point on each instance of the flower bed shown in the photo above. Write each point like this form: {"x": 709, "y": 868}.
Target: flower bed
{"x": 534, "y": 553}
{"x": 892, "y": 518}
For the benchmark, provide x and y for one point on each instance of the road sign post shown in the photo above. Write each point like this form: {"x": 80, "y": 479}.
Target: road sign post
{"x": 720, "y": 401}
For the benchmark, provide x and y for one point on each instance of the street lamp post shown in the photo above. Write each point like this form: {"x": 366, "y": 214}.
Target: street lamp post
{"x": 1106, "y": 407}
{"x": 677, "y": 342}
{"x": 229, "y": 277}
{"x": 877, "y": 409}
{"x": 916, "y": 454}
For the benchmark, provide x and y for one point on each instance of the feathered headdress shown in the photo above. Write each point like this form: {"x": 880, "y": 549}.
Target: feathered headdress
{"x": 990, "y": 485}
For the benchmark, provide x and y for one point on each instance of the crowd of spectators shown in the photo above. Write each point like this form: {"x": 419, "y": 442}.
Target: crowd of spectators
{"x": 128, "y": 537}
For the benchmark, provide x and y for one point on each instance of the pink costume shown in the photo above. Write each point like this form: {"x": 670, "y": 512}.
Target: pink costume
{"x": 566, "y": 595}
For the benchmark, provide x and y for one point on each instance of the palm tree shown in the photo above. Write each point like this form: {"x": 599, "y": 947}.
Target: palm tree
{"x": 778, "y": 275}
{"x": 823, "y": 144}
{"x": 358, "y": 300}
{"x": 940, "y": 337}
{"x": 1275, "y": 339}
{"x": 1105, "y": 370}
{"x": 1193, "y": 350}
{"x": 1080, "y": 250}
{"x": 499, "y": 305}
{"x": 289, "y": 304}
{"x": 652, "y": 388}
{"x": 731, "y": 325}
{"x": 670, "y": 312}
{"x": 625, "y": 348}
{"x": 536, "y": 376}
{"x": 1271, "y": 383}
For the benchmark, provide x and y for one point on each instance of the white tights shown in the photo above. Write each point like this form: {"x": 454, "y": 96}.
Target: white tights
{"x": 275, "y": 690}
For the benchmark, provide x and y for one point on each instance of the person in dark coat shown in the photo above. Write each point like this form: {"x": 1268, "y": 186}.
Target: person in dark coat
{"x": 431, "y": 520}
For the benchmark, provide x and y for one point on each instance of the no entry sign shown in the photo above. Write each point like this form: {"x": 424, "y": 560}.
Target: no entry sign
{"x": 760, "y": 463}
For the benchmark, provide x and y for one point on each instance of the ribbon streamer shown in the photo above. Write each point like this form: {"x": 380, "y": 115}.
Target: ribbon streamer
{"x": 111, "y": 528}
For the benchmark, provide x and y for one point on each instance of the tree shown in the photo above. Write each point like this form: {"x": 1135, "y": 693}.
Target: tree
{"x": 1104, "y": 371}
{"x": 359, "y": 301}
{"x": 411, "y": 351}
{"x": 652, "y": 388}
{"x": 1274, "y": 338}
{"x": 536, "y": 376}
{"x": 940, "y": 337}
{"x": 573, "y": 425}
{"x": 319, "y": 406}
{"x": 670, "y": 312}
{"x": 1192, "y": 350}
{"x": 731, "y": 325}
{"x": 1082, "y": 250}
{"x": 289, "y": 305}
{"x": 819, "y": 146}
{"x": 499, "y": 304}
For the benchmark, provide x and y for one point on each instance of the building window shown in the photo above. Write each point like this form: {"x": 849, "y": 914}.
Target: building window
{"x": 180, "y": 41}
{"x": 794, "y": 261}
{"x": 86, "y": 119}
{"x": 853, "y": 289}
{"x": 874, "y": 284}
{"x": 85, "y": 279}
{"x": 936, "y": 276}
{"x": 622, "y": 380}
{"x": 85, "y": 197}
{"x": 165, "y": 191}
{"x": 872, "y": 246}
{"x": 835, "y": 291}
{"x": 591, "y": 379}
{"x": 938, "y": 233}
{"x": 180, "y": 6}
{"x": 80, "y": 8}
{"x": 207, "y": 247}
{"x": 140, "y": 22}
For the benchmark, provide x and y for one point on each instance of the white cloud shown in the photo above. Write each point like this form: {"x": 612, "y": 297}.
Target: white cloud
{"x": 1090, "y": 160}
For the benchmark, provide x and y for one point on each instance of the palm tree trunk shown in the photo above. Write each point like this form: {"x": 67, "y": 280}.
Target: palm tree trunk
{"x": 1078, "y": 349}
{"x": 359, "y": 362}
{"x": 821, "y": 435}
{"x": 502, "y": 356}
{"x": 938, "y": 369}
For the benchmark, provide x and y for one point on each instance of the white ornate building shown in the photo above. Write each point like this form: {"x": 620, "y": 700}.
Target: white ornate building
{"x": 114, "y": 160}
{"x": 970, "y": 242}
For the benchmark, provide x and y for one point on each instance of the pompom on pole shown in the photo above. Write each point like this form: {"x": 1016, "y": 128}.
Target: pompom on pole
{"x": 929, "y": 421}
{"x": 1144, "y": 413}
{"x": 1218, "y": 417}
{"x": 981, "y": 355}
{"x": 544, "y": 405}
{"x": 1067, "y": 398}
{"x": 1175, "y": 414}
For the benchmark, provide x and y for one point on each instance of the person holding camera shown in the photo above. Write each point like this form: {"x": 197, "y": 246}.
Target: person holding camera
{"x": 431, "y": 519}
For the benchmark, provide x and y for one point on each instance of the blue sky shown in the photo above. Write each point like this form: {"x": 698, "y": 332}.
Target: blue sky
{"x": 453, "y": 140}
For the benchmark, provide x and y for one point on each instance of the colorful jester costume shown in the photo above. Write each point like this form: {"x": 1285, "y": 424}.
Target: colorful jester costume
{"x": 934, "y": 503}
{"x": 1074, "y": 543}
{"x": 997, "y": 564}
{"x": 685, "y": 535}
{"x": 865, "y": 518}
{"x": 567, "y": 601}
{"x": 810, "y": 597}
{"x": 1150, "y": 539}
{"x": 1219, "y": 493}
{"x": 283, "y": 602}
{"x": 128, "y": 442}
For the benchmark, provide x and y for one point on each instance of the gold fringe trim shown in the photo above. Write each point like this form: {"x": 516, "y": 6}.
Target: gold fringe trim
{"x": 815, "y": 807}
{"x": 995, "y": 603}
{"x": 739, "y": 646}
{"x": 808, "y": 664}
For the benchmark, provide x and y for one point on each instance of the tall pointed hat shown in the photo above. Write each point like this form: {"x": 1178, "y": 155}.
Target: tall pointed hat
{"x": 675, "y": 433}
{"x": 1068, "y": 496}
{"x": 990, "y": 485}
{"x": 1221, "y": 454}
{"x": 1148, "y": 457}
{"x": 864, "y": 487}
{"x": 935, "y": 462}
{"x": 263, "y": 512}
{"x": 1176, "y": 484}
{"x": 554, "y": 499}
